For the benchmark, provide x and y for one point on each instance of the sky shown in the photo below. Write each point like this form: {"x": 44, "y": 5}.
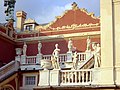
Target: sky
{"x": 44, "y": 11}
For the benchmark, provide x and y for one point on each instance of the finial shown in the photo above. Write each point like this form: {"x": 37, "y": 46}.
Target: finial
{"x": 74, "y": 6}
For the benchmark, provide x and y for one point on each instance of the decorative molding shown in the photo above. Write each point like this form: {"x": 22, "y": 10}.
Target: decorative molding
{"x": 61, "y": 36}
{"x": 63, "y": 28}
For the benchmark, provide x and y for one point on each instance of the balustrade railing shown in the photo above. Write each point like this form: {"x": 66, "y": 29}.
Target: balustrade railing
{"x": 9, "y": 69}
{"x": 76, "y": 77}
{"x": 81, "y": 56}
{"x": 47, "y": 57}
{"x": 31, "y": 60}
{"x": 62, "y": 57}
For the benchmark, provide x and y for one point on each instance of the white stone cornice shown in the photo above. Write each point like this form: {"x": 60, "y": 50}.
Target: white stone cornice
{"x": 61, "y": 36}
{"x": 116, "y": 1}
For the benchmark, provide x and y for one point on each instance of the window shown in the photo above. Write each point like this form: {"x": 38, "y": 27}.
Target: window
{"x": 29, "y": 27}
{"x": 30, "y": 80}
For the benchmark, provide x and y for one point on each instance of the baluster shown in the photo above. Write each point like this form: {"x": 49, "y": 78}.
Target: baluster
{"x": 65, "y": 77}
{"x": 90, "y": 76}
{"x": 68, "y": 77}
{"x": 62, "y": 77}
{"x": 85, "y": 57}
{"x": 72, "y": 76}
{"x": 75, "y": 77}
{"x": 86, "y": 76}
{"x": 82, "y": 76}
{"x": 79, "y": 76}
{"x": 79, "y": 57}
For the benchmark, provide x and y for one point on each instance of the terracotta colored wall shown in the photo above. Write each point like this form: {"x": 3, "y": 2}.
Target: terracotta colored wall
{"x": 74, "y": 17}
{"x": 7, "y": 51}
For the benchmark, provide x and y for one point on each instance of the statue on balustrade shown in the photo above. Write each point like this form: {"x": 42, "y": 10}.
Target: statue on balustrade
{"x": 97, "y": 55}
{"x": 70, "y": 45}
{"x": 88, "y": 42}
{"x": 55, "y": 57}
{"x": 24, "y": 48}
{"x": 75, "y": 60}
{"x": 39, "y": 47}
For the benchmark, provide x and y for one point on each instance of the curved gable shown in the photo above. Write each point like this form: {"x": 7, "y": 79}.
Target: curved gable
{"x": 78, "y": 16}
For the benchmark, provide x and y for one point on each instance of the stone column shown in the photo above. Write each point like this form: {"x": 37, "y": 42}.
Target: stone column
{"x": 105, "y": 76}
{"x": 116, "y": 8}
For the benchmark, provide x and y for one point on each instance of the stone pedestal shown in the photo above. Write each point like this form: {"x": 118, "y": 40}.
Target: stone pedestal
{"x": 23, "y": 59}
{"x": 39, "y": 58}
{"x": 17, "y": 58}
{"x": 88, "y": 54}
{"x": 55, "y": 77}
{"x": 102, "y": 76}
{"x": 44, "y": 78}
{"x": 69, "y": 57}
{"x": 69, "y": 64}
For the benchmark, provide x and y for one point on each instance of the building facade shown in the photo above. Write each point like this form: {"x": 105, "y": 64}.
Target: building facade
{"x": 69, "y": 53}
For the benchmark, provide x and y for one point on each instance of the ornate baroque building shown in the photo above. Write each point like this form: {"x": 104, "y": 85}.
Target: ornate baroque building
{"x": 64, "y": 54}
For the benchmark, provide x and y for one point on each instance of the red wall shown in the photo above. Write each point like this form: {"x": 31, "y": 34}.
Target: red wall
{"x": 7, "y": 50}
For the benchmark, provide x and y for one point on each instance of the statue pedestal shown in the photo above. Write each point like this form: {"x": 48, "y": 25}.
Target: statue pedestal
{"x": 23, "y": 59}
{"x": 69, "y": 56}
{"x": 55, "y": 77}
{"x": 88, "y": 54}
{"x": 102, "y": 76}
{"x": 69, "y": 64}
{"x": 44, "y": 78}
{"x": 39, "y": 58}
{"x": 17, "y": 58}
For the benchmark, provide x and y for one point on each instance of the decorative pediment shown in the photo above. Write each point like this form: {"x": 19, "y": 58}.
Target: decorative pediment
{"x": 75, "y": 16}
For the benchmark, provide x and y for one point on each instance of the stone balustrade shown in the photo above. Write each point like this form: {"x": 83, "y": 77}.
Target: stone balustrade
{"x": 31, "y": 60}
{"x": 81, "y": 56}
{"x": 8, "y": 69}
{"x": 76, "y": 77}
{"x": 65, "y": 77}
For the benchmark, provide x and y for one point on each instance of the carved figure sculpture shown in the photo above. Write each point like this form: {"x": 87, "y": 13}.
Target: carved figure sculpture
{"x": 88, "y": 43}
{"x": 54, "y": 63}
{"x": 75, "y": 60}
{"x": 70, "y": 45}
{"x": 55, "y": 55}
{"x": 24, "y": 48}
{"x": 97, "y": 55}
{"x": 39, "y": 47}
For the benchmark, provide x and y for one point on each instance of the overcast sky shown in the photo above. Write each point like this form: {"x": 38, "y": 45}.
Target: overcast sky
{"x": 44, "y": 11}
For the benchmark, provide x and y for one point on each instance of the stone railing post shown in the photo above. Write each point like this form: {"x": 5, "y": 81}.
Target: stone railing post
{"x": 23, "y": 59}
{"x": 39, "y": 58}
{"x": 69, "y": 56}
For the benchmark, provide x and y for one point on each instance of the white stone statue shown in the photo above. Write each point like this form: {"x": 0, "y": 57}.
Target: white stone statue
{"x": 55, "y": 55}
{"x": 55, "y": 64}
{"x": 88, "y": 42}
{"x": 24, "y": 48}
{"x": 97, "y": 55}
{"x": 75, "y": 60}
{"x": 70, "y": 45}
{"x": 39, "y": 47}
